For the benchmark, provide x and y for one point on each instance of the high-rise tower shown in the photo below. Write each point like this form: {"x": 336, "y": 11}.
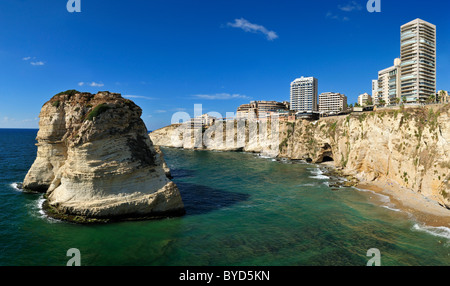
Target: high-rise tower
{"x": 418, "y": 60}
{"x": 304, "y": 92}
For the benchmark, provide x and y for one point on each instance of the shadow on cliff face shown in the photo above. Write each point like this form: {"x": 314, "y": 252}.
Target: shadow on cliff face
{"x": 200, "y": 199}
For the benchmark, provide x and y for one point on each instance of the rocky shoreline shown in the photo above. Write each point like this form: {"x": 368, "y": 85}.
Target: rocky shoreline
{"x": 344, "y": 180}
{"x": 418, "y": 207}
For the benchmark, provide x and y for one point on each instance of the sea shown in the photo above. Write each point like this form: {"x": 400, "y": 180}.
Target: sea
{"x": 241, "y": 210}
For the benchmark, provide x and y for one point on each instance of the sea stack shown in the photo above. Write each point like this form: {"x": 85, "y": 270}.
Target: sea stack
{"x": 95, "y": 161}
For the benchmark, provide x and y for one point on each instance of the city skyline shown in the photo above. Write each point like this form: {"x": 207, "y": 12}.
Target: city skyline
{"x": 168, "y": 56}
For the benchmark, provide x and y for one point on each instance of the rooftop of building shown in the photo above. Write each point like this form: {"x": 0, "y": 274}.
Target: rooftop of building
{"x": 301, "y": 79}
{"x": 415, "y": 21}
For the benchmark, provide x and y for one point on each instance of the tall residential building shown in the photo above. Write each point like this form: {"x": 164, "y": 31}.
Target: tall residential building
{"x": 304, "y": 93}
{"x": 389, "y": 87}
{"x": 375, "y": 91}
{"x": 364, "y": 99}
{"x": 330, "y": 102}
{"x": 418, "y": 56}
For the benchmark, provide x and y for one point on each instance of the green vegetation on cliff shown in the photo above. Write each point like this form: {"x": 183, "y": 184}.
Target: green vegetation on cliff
{"x": 99, "y": 109}
{"x": 69, "y": 92}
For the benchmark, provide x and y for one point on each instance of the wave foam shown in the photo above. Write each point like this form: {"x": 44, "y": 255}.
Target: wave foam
{"x": 40, "y": 207}
{"x": 392, "y": 209}
{"x": 264, "y": 156}
{"x": 318, "y": 174}
{"x": 306, "y": 185}
{"x": 382, "y": 198}
{"x": 320, "y": 177}
{"x": 440, "y": 231}
{"x": 316, "y": 171}
{"x": 16, "y": 186}
{"x": 38, "y": 211}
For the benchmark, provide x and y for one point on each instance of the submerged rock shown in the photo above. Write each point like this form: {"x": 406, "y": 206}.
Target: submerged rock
{"x": 96, "y": 161}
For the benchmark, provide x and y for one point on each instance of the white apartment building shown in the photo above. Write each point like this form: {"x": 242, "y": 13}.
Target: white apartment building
{"x": 364, "y": 99}
{"x": 375, "y": 91}
{"x": 389, "y": 86}
{"x": 332, "y": 102}
{"x": 418, "y": 56}
{"x": 304, "y": 93}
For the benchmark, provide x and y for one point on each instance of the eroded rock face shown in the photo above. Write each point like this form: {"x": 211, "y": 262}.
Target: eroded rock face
{"x": 95, "y": 160}
{"x": 237, "y": 135}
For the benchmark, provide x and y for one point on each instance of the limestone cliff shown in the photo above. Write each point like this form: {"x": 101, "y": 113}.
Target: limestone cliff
{"x": 239, "y": 135}
{"x": 95, "y": 160}
{"x": 409, "y": 146}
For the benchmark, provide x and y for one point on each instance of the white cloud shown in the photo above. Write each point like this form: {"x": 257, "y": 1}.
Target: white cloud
{"x": 34, "y": 62}
{"x": 330, "y": 15}
{"x": 96, "y": 84}
{"x": 40, "y": 63}
{"x": 139, "y": 96}
{"x": 93, "y": 84}
{"x": 351, "y": 6}
{"x": 160, "y": 111}
{"x": 221, "y": 96}
{"x": 253, "y": 28}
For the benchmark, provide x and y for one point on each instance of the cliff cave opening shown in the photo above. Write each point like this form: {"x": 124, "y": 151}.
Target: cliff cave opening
{"x": 327, "y": 153}
{"x": 327, "y": 159}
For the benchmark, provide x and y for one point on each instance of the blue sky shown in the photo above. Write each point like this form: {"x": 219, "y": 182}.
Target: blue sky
{"x": 168, "y": 55}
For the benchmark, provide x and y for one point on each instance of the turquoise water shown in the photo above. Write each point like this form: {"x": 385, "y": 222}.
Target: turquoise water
{"x": 241, "y": 210}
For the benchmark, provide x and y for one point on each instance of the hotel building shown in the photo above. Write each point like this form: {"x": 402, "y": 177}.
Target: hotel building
{"x": 418, "y": 57}
{"x": 332, "y": 102}
{"x": 304, "y": 93}
{"x": 261, "y": 109}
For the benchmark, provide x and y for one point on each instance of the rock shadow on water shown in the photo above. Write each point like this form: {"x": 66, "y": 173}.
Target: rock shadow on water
{"x": 199, "y": 199}
{"x": 182, "y": 173}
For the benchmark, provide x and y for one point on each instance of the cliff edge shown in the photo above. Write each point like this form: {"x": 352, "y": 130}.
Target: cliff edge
{"x": 96, "y": 162}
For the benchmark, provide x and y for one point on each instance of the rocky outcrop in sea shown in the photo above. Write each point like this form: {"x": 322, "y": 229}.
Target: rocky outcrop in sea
{"x": 95, "y": 161}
